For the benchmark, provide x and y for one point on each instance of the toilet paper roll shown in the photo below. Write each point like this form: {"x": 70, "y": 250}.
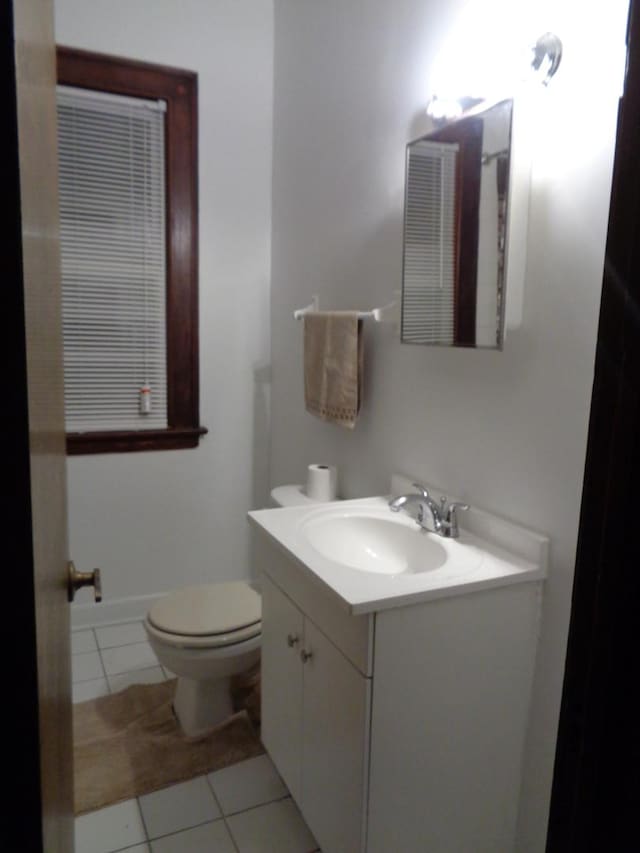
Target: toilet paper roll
{"x": 322, "y": 482}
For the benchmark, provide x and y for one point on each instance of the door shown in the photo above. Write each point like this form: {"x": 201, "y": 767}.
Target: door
{"x": 281, "y": 723}
{"x": 38, "y": 809}
{"x": 596, "y": 791}
{"x": 335, "y": 745}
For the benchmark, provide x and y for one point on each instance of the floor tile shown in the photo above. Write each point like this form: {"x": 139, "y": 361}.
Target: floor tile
{"x": 85, "y": 690}
{"x": 247, "y": 784}
{"x": 114, "y": 828}
{"x": 178, "y": 807}
{"x": 137, "y": 676}
{"x": 208, "y": 838}
{"x": 127, "y": 658}
{"x": 86, "y": 666}
{"x": 83, "y": 641}
{"x": 121, "y": 635}
{"x": 275, "y": 828}
{"x": 139, "y": 848}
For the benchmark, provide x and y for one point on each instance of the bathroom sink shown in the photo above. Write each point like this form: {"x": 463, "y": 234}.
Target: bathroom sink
{"x": 375, "y": 540}
{"x": 372, "y": 559}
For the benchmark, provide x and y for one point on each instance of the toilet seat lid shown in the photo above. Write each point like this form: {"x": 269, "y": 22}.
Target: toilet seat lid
{"x": 207, "y": 610}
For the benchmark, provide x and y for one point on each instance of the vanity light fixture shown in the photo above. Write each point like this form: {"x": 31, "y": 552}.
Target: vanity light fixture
{"x": 547, "y": 53}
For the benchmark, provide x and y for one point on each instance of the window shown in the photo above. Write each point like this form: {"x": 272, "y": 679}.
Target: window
{"x": 128, "y": 186}
{"x": 442, "y": 215}
{"x": 428, "y": 301}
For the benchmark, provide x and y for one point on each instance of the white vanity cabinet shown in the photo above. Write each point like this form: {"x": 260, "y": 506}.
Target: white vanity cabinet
{"x": 400, "y": 726}
{"x": 315, "y": 713}
{"x": 281, "y": 684}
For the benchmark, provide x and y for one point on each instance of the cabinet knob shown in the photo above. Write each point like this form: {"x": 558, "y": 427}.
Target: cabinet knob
{"x": 305, "y": 655}
{"x": 292, "y": 640}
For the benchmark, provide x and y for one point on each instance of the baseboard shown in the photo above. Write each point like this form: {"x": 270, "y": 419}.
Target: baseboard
{"x": 90, "y": 615}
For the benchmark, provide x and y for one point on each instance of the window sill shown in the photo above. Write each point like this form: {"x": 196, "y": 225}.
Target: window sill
{"x": 125, "y": 441}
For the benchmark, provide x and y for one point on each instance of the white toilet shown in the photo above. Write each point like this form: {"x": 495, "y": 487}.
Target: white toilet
{"x": 206, "y": 634}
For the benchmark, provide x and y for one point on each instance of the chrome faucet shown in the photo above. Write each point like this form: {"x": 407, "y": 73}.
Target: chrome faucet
{"x": 440, "y": 518}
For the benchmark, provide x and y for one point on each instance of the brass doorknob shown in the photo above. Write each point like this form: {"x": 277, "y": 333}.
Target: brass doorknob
{"x": 79, "y": 579}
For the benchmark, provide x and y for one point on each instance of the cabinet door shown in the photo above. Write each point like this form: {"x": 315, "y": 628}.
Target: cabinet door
{"x": 334, "y": 745}
{"x": 281, "y": 727}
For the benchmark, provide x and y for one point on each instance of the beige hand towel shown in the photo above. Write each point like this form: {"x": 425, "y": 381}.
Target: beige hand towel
{"x": 333, "y": 365}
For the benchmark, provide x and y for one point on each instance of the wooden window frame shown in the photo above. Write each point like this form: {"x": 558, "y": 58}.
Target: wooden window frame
{"x": 179, "y": 89}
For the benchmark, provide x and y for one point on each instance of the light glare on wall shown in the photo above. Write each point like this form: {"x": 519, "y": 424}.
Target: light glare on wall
{"x": 489, "y": 56}
{"x": 441, "y": 108}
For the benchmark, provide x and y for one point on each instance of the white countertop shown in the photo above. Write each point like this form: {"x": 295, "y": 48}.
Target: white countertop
{"x": 502, "y": 553}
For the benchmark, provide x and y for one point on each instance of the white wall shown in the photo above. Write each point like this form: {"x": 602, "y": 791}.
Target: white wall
{"x": 153, "y": 521}
{"x": 506, "y": 430}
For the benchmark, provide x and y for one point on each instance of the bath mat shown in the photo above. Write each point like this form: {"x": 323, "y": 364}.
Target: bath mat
{"x": 129, "y": 744}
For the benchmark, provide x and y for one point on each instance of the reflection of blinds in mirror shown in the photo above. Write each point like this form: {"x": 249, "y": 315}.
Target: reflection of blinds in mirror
{"x": 112, "y": 221}
{"x": 428, "y": 299}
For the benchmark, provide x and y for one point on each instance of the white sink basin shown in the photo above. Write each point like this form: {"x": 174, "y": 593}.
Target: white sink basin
{"x": 373, "y": 559}
{"x": 381, "y": 542}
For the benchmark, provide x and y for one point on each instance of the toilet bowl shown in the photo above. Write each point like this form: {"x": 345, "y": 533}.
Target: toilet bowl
{"x": 206, "y": 634}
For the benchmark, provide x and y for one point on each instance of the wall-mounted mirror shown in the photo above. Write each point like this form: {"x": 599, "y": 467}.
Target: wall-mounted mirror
{"x": 455, "y": 232}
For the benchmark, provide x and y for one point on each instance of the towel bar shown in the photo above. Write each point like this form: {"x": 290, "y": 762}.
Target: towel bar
{"x": 386, "y": 313}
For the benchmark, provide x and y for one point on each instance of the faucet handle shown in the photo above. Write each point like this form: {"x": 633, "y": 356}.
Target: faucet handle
{"x": 452, "y": 517}
{"x": 422, "y": 489}
{"x": 455, "y": 505}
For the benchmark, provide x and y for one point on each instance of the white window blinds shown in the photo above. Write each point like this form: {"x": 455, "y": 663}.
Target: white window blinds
{"x": 112, "y": 220}
{"x": 428, "y": 298}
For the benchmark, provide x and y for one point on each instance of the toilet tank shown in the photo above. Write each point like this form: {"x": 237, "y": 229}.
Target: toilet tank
{"x": 290, "y": 495}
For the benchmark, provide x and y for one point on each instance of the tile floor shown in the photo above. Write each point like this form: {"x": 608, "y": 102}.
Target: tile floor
{"x": 244, "y": 808}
